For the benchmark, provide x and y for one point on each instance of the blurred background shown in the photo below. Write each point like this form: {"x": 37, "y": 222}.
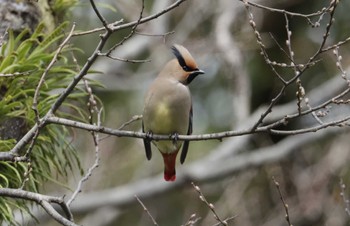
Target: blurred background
{"x": 234, "y": 174}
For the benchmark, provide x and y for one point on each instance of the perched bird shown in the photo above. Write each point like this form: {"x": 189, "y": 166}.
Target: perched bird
{"x": 168, "y": 109}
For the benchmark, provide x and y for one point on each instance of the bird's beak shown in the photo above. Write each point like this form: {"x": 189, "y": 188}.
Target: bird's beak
{"x": 199, "y": 72}
{"x": 193, "y": 75}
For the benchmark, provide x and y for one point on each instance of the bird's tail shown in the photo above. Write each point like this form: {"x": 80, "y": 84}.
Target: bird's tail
{"x": 169, "y": 165}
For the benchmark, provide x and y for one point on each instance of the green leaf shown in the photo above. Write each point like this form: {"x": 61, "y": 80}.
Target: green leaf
{"x": 3, "y": 181}
{"x": 7, "y": 62}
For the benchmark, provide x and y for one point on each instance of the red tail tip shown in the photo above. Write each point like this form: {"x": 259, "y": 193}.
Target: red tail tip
{"x": 169, "y": 166}
{"x": 169, "y": 177}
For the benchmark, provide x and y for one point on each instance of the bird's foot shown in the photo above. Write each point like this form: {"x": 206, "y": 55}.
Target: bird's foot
{"x": 174, "y": 137}
{"x": 149, "y": 136}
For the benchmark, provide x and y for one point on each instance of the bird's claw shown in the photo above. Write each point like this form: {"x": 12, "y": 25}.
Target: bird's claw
{"x": 174, "y": 137}
{"x": 149, "y": 136}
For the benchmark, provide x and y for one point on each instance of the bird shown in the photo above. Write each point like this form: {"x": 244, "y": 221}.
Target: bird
{"x": 168, "y": 109}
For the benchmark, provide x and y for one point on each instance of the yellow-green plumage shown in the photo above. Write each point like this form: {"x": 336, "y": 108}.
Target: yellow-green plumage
{"x": 167, "y": 111}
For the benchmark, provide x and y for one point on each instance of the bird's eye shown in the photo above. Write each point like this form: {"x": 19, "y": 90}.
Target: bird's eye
{"x": 186, "y": 68}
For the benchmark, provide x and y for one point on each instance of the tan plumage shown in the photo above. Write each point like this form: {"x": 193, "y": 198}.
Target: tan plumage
{"x": 168, "y": 108}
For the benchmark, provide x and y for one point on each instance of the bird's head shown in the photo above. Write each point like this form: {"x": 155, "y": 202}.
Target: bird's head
{"x": 184, "y": 68}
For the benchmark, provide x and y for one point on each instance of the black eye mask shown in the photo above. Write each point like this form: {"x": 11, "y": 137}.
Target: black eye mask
{"x": 181, "y": 60}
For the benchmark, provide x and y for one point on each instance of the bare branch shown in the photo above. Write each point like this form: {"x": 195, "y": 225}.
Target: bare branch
{"x": 306, "y": 16}
{"x": 95, "y": 137}
{"x": 344, "y": 196}
{"x": 133, "y": 119}
{"x": 210, "y": 205}
{"x": 192, "y": 220}
{"x": 200, "y": 171}
{"x": 133, "y": 29}
{"x": 99, "y": 15}
{"x": 209, "y": 136}
{"x": 95, "y": 30}
{"x": 285, "y": 205}
{"x": 164, "y": 36}
{"x": 146, "y": 210}
{"x": 125, "y": 60}
{"x": 16, "y": 73}
{"x": 116, "y": 27}
{"x": 44, "y": 201}
{"x": 340, "y": 43}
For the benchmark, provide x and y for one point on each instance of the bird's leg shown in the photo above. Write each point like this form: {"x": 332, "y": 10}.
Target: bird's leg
{"x": 174, "y": 137}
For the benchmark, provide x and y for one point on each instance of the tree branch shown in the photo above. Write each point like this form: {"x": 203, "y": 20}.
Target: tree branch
{"x": 44, "y": 201}
{"x": 116, "y": 27}
{"x": 199, "y": 171}
{"x": 209, "y": 136}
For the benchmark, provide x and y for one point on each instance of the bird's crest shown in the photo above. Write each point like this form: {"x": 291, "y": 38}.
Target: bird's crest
{"x": 184, "y": 58}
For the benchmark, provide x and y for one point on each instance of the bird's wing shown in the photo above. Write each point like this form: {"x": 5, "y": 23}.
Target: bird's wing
{"x": 186, "y": 142}
{"x": 147, "y": 144}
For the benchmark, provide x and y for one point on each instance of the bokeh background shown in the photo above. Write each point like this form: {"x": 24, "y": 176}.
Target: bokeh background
{"x": 237, "y": 87}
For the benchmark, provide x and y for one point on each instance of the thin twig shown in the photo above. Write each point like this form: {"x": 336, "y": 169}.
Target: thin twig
{"x": 192, "y": 220}
{"x": 333, "y": 6}
{"x": 99, "y": 15}
{"x": 116, "y": 26}
{"x": 149, "y": 34}
{"x": 95, "y": 137}
{"x": 344, "y": 197}
{"x": 340, "y": 67}
{"x": 100, "y": 29}
{"x": 26, "y": 158}
{"x": 306, "y": 16}
{"x": 16, "y": 74}
{"x": 210, "y": 205}
{"x": 146, "y": 210}
{"x": 132, "y": 32}
{"x": 340, "y": 43}
{"x": 264, "y": 53}
{"x": 164, "y": 36}
{"x": 298, "y": 71}
{"x": 126, "y": 60}
{"x": 300, "y": 89}
{"x": 133, "y": 119}
{"x": 285, "y": 205}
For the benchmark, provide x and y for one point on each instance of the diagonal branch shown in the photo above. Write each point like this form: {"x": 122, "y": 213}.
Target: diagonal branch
{"x": 117, "y": 27}
{"x": 44, "y": 201}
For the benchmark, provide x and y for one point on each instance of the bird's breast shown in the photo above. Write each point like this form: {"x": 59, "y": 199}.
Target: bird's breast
{"x": 167, "y": 108}
{"x": 167, "y": 111}
{"x": 169, "y": 119}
